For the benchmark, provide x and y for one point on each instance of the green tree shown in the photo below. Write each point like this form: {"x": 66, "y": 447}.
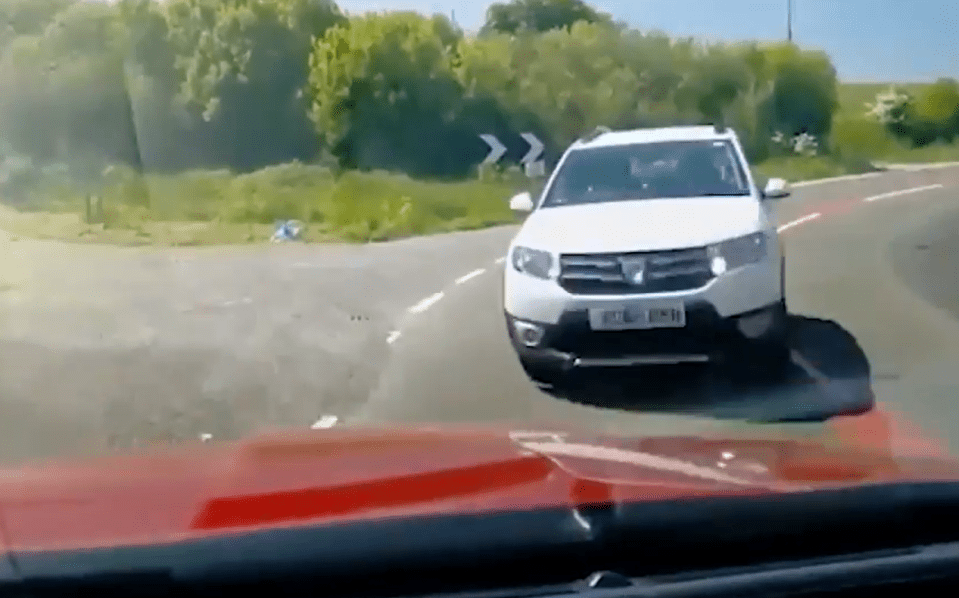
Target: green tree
{"x": 805, "y": 90}
{"x": 242, "y": 66}
{"x": 383, "y": 94}
{"x": 936, "y": 110}
{"x": 539, "y": 15}
{"x": 27, "y": 17}
{"x": 661, "y": 65}
{"x": 712, "y": 84}
{"x": 63, "y": 95}
{"x": 181, "y": 84}
{"x": 573, "y": 80}
{"x": 163, "y": 132}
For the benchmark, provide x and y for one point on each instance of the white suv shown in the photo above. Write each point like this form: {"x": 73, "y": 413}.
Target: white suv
{"x": 649, "y": 246}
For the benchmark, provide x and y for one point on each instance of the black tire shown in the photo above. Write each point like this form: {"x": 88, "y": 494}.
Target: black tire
{"x": 771, "y": 362}
{"x": 762, "y": 363}
{"x": 541, "y": 374}
{"x": 770, "y": 358}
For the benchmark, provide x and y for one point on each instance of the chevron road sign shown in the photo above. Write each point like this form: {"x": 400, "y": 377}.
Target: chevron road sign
{"x": 532, "y": 162}
{"x": 496, "y": 149}
{"x": 535, "y": 148}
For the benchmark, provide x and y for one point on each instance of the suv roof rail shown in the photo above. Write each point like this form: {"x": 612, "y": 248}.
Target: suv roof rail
{"x": 595, "y": 133}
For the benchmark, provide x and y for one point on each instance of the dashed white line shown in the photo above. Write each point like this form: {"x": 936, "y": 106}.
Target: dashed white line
{"x": 470, "y": 276}
{"x": 425, "y": 304}
{"x": 232, "y": 302}
{"x": 500, "y": 260}
{"x": 903, "y": 192}
{"x": 393, "y": 336}
{"x": 325, "y": 422}
{"x": 799, "y": 221}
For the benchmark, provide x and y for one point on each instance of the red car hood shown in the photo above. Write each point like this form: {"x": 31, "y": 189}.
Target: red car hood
{"x": 353, "y": 473}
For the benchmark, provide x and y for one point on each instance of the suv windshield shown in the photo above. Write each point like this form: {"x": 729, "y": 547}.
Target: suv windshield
{"x": 648, "y": 170}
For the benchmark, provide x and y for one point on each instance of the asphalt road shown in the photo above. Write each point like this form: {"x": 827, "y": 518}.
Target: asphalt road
{"x": 106, "y": 348}
{"x": 868, "y": 261}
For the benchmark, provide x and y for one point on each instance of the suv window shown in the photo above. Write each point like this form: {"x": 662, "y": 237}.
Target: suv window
{"x": 670, "y": 169}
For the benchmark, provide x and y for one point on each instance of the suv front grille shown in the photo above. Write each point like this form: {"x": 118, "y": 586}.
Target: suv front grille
{"x": 664, "y": 271}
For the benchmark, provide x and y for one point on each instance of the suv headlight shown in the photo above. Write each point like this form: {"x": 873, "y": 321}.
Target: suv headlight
{"x": 738, "y": 252}
{"x": 534, "y": 262}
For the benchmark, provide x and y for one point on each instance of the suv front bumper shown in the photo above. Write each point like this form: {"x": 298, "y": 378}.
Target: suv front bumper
{"x": 714, "y": 330}
{"x": 707, "y": 337}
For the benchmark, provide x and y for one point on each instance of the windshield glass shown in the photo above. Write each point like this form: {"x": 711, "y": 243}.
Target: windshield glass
{"x": 223, "y": 218}
{"x": 648, "y": 170}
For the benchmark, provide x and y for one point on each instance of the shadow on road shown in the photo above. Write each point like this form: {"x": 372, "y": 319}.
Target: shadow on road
{"x": 829, "y": 376}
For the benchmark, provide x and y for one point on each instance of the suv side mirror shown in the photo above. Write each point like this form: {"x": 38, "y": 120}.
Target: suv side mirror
{"x": 776, "y": 189}
{"x": 521, "y": 202}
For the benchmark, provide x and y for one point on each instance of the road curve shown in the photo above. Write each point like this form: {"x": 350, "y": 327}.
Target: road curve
{"x": 104, "y": 348}
{"x": 870, "y": 320}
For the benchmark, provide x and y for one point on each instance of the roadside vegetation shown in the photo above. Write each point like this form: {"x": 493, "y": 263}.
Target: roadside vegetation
{"x": 207, "y": 121}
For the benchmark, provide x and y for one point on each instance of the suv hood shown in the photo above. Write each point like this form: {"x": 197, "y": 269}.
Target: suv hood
{"x": 321, "y": 476}
{"x": 641, "y": 225}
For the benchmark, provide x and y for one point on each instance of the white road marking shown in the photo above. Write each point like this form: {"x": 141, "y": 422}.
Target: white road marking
{"x": 836, "y": 179}
{"x": 392, "y": 337}
{"x": 799, "y": 221}
{"x": 501, "y": 260}
{"x": 232, "y": 302}
{"x": 425, "y": 304}
{"x": 325, "y": 422}
{"x": 903, "y": 192}
{"x": 471, "y": 275}
{"x": 918, "y": 167}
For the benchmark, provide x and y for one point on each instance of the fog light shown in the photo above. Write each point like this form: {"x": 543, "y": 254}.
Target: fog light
{"x": 756, "y": 325}
{"x": 530, "y": 335}
{"x": 718, "y": 265}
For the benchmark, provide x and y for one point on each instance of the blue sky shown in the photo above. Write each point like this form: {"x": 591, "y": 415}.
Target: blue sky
{"x": 869, "y": 40}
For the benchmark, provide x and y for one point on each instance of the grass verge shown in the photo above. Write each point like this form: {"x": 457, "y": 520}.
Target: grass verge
{"x": 214, "y": 208}
{"x": 806, "y": 168}
{"x": 217, "y": 208}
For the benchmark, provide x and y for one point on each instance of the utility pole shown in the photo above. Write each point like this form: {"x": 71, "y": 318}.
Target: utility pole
{"x": 789, "y": 20}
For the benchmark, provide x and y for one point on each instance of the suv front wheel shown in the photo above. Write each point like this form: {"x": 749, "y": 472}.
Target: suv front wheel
{"x": 542, "y": 374}
{"x": 770, "y": 357}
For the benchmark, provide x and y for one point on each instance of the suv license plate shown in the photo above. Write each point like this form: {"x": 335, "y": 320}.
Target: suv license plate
{"x": 638, "y": 318}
